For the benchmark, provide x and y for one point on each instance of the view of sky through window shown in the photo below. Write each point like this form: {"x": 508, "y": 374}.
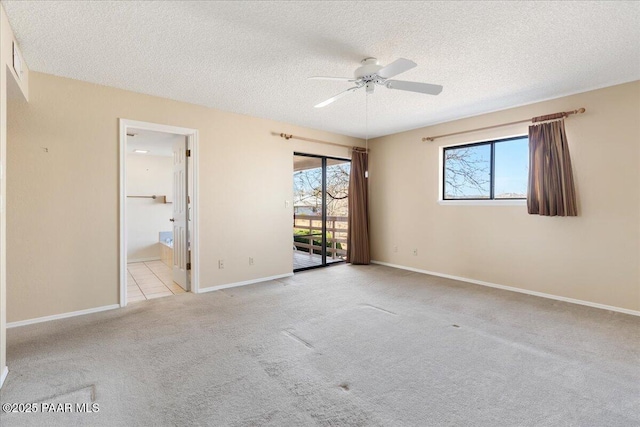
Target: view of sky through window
{"x": 468, "y": 172}
{"x": 468, "y": 175}
{"x": 511, "y": 169}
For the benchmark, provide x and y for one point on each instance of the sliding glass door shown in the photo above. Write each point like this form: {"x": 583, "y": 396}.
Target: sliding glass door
{"x": 321, "y": 195}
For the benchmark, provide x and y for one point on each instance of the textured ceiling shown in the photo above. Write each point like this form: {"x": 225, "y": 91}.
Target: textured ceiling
{"x": 254, "y": 57}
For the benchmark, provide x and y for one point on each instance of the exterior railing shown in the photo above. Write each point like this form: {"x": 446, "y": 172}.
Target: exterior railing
{"x": 312, "y": 227}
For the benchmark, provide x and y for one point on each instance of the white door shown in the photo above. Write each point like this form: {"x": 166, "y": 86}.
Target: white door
{"x": 180, "y": 213}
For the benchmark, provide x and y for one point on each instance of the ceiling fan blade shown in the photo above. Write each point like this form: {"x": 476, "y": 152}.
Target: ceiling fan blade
{"x": 338, "y": 96}
{"x": 398, "y": 66}
{"x": 340, "y": 79}
{"x": 427, "y": 88}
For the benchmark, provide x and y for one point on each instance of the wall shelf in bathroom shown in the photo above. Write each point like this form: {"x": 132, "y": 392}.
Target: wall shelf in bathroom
{"x": 161, "y": 199}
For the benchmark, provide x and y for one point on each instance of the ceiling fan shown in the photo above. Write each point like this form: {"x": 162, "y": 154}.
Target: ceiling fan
{"x": 371, "y": 74}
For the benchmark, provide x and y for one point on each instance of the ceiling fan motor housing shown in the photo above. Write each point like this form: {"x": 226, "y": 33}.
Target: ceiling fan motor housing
{"x": 368, "y": 73}
{"x": 368, "y": 69}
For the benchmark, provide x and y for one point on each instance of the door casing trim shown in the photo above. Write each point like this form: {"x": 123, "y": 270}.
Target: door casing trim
{"x": 125, "y": 125}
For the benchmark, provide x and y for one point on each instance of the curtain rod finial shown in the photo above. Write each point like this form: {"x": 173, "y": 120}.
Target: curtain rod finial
{"x": 581, "y": 110}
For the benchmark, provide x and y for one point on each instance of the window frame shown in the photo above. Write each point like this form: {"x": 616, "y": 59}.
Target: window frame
{"x": 469, "y": 201}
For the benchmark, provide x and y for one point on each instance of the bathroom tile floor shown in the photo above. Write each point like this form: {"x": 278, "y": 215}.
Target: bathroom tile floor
{"x": 148, "y": 280}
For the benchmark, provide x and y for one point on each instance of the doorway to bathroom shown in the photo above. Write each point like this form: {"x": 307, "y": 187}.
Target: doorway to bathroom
{"x": 158, "y": 211}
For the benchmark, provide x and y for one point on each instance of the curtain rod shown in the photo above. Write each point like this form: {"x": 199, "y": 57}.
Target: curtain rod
{"x": 554, "y": 116}
{"x": 288, "y": 136}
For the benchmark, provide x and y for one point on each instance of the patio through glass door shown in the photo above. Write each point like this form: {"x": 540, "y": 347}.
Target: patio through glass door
{"x": 320, "y": 210}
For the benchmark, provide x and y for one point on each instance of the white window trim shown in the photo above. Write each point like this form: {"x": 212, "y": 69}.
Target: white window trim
{"x": 499, "y": 202}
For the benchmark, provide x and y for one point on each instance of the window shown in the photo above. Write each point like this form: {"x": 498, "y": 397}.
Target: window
{"x": 492, "y": 170}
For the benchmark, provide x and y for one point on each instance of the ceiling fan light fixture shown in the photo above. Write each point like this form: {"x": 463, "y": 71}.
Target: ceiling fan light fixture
{"x": 368, "y": 68}
{"x": 370, "y": 87}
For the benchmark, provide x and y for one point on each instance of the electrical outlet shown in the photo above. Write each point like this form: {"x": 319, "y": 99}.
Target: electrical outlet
{"x": 250, "y": 261}
{"x": 415, "y": 252}
{"x": 395, "y": 249}
{"x": 220, "y": 264}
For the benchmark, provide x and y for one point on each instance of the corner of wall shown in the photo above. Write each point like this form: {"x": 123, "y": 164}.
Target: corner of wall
{"x": 3, "y": 375}
{"x": 7, "y": 41}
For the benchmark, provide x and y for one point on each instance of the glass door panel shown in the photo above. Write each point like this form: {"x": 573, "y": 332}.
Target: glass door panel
{"x": 337, "y": 208}
{"x": 308, "y": 210}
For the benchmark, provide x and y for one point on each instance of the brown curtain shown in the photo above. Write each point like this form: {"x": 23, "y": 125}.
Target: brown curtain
{"x": 551, "y": 190}
{"x": 358, "y": 236}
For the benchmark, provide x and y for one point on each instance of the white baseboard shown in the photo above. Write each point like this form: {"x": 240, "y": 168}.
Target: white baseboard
{"x": 510, "y": 288}
{"x": 61, "y": 316}
{"x": 3, "y": 377}
{"x": 114, "y": 306}
{"x": 129, "y": 261}
{"x": 246, "y": 282}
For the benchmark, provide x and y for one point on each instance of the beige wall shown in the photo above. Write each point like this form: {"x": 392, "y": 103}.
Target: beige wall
{"x": 63, "y": 203}
{"x": 594, "y": 257}
{"x": 147, "y": 175}
{"x": 18, "y": 89}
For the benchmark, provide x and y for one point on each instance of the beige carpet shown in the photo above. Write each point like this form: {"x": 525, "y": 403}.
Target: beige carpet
{"x": 341, "y": 346}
